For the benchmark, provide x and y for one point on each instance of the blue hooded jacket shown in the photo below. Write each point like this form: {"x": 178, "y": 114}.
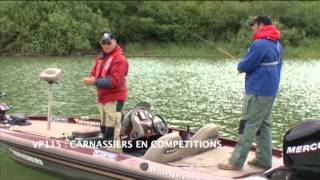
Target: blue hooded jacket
{"x": 262, "y": 65}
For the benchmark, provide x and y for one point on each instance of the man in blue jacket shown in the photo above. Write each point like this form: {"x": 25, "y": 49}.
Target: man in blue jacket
{"x": 262, "y": 65}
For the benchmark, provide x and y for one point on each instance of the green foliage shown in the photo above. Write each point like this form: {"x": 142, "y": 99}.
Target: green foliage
{"x": 49, "y": 27}
{"x": 244, "y": 35}
{"x": 303, "y": 15}
{"x": 62, "y": 27}
{"x": 291, "y": 36}
{"x": 177, "y": 21}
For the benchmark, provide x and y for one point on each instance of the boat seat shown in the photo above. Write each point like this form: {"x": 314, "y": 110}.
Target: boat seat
{"x": 162, "y": 154}
{"x": 51, "y": 75}
{"x": 206, "y": 133}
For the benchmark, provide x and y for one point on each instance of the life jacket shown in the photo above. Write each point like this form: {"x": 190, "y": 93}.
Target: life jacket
{"x": 102, "y": 65}
{"x": 100, "y": 69}
{"x": 105, "y": 67}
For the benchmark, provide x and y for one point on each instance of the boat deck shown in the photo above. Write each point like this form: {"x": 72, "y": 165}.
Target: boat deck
{"x": 205, "y": 162}
{"x": 59, "y": 130}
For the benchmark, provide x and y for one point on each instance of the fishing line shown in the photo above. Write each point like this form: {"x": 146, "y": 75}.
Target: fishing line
{"x": 202, "y": 39}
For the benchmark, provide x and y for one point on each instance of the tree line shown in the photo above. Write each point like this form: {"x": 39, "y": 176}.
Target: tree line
{"x": 61, "y": 28}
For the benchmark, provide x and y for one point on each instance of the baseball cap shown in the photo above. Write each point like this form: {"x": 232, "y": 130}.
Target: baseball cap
{"x": 261, "y": 19}
{"x": 106, "y": 38}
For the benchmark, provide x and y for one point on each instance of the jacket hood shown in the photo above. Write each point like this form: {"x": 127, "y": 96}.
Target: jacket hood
{"x": 268, "y": 32}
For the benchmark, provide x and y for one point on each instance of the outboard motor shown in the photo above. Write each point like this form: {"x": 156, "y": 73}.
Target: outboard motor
{"x": 301, "y": 150}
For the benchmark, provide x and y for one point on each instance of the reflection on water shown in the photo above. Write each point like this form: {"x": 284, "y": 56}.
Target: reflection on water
{"x": 183, "y": 91}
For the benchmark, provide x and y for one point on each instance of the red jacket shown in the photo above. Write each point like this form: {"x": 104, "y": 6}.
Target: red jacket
{"x": 114, "y": 68}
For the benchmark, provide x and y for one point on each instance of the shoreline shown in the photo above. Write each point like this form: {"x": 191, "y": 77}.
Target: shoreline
{"x": 187, "y": 50}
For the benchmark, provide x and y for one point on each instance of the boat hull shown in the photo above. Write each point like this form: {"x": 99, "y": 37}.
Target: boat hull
{"x": 60, "y": 157}
{"x": 49, "y": 165}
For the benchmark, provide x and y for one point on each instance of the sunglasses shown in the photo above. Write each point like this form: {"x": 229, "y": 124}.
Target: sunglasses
{"x": 106, "y": 42}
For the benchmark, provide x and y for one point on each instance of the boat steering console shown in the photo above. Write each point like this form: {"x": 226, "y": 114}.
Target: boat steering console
{"x": 143, "y": 123}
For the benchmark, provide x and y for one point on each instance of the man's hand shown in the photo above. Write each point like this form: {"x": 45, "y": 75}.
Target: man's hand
{"x": 88, "y": 81}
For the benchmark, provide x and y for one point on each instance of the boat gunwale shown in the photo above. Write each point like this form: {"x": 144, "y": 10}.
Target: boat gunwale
{"x": 225, "y": 140}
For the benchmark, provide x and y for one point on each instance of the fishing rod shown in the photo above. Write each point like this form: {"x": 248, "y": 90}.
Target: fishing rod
{"x": 203, "y": 39}
{"x": 212, "y": 44}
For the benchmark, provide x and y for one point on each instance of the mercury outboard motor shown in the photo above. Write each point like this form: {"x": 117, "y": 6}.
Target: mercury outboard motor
{"x": 301, "y": 150}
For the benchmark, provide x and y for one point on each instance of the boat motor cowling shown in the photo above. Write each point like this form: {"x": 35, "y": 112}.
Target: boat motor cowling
{"x": 301, "y": 150}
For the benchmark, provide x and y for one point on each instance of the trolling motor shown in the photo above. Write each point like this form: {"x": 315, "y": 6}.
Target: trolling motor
{"x": 3, "y": 108}
{"x": 13, "y": 119}
{"x": 51, "y": 75}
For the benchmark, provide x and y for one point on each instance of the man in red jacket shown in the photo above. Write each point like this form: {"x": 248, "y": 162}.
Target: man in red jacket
{"x": 108, "y": 75}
